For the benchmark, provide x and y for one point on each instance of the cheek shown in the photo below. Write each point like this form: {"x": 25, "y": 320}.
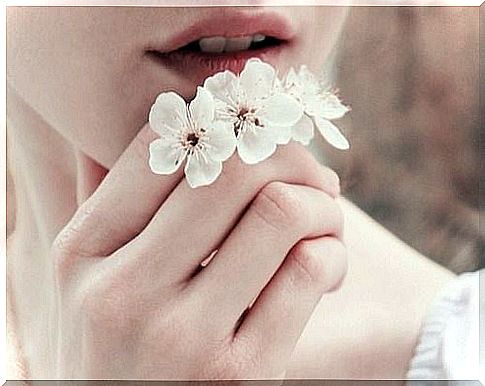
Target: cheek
{"x": 320, "y": 34}
{"x": 84, "y": 83}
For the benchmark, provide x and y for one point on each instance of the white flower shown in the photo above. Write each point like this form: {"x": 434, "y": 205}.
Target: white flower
{"x": 260, "y": 114}
{"x": 189, "y": 133}
{"x": 320, "y": 106}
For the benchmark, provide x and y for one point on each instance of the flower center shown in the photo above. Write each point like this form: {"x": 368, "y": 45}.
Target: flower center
{"x": 192, "y": 139}
{"x": 245, "y": 115}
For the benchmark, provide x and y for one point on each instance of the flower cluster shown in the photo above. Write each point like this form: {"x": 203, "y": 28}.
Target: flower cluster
{"x": 251, "y": 113}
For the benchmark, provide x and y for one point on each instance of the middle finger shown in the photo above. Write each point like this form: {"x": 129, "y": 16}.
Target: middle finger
{"x": 192, "y": 223}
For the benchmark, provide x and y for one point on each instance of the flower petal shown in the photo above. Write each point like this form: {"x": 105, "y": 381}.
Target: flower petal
{"x": 303, "y": 130}
{"x": 201, "y": 171}
{"x": 255, "y": 146}
{"x": 291, "y": 78}
{"x": 222, "y": 141}
{"x": 332, "y": 108}
{"x": 223, "y": 86}
{"x": 202, "y": 108}
{"x": 257, "y": 79}
{"x": 281, "y": 110}
{"x": 279, "y": 86}
{"x": 169, "y": 112}
{"x": 312, "y": 104}
{"x": 332, "y": 134}
{"x": 308, "y": 80}
{"x": 283, "y": 135}
{"x": 164, "y": 157}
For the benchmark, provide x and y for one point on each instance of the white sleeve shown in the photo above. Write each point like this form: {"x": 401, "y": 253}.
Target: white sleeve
{"x": 449, "y": 346}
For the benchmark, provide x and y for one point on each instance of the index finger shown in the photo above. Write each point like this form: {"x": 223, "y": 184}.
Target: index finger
{"x": 122, "y": 204}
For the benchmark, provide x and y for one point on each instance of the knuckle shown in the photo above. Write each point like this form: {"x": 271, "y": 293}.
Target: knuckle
{"x": 60, "y": 251}
{"x": 63, "y": 252}
{"x": 308, "y": 263}
{"x": 70, "y": 240}
{"x": 323, "y": 265}
{"x": 64, "y": 244}
{"x": 279, "y": 205}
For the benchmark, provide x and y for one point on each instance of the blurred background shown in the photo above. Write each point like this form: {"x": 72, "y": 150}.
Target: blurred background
{"x": 411, "y": 77}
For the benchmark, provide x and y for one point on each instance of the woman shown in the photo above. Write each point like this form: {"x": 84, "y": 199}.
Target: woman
{"x": 104, "y": 269}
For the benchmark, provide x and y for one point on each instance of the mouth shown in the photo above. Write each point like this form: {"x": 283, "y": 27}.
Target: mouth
{"x": 224, "y": 42}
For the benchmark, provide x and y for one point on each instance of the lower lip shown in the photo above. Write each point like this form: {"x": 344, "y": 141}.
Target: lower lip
{"x": 197, "y": 66}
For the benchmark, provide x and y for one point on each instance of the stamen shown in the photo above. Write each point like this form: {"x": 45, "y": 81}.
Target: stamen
{"x": 237, "y": 129}
{"x": 242, "y": 113}
{"x": 192, "y": 139}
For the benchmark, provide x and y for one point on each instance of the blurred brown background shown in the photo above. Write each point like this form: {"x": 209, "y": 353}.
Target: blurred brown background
{"x": 411, "y": 76}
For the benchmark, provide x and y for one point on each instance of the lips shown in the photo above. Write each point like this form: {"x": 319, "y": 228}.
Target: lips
{"x": 224, "y": 41}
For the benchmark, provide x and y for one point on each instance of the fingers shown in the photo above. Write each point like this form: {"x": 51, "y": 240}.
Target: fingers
{"x": 280, "y": 216}
{"x": 277, "y": 319}
{"x": 122, "y": 204}
{"x": 194, "y": 222}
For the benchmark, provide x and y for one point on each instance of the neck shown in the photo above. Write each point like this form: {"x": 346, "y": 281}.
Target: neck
{"x": 49, "y": 181}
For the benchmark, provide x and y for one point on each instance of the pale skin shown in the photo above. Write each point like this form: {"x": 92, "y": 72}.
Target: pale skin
{"x": 104, "y": 258}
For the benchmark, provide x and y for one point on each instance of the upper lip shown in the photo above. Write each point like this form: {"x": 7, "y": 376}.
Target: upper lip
{"x": 231, "y": 23}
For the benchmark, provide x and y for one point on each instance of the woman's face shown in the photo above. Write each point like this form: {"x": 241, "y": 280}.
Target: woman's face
{"x": 92, "y": 73}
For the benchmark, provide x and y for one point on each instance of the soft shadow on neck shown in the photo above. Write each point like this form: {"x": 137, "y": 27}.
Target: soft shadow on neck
{"x": 42, "y": 165}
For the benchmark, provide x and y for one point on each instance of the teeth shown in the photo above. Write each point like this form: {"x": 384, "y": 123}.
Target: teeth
{"x": 238, "y": 44}
{"x": 214, "y": 44}
{"x": 258, "y": 38}
{"x": 218, "y": 44}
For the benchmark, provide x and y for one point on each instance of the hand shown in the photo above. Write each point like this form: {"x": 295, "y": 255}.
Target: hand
{"x": 133, "y": 300}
